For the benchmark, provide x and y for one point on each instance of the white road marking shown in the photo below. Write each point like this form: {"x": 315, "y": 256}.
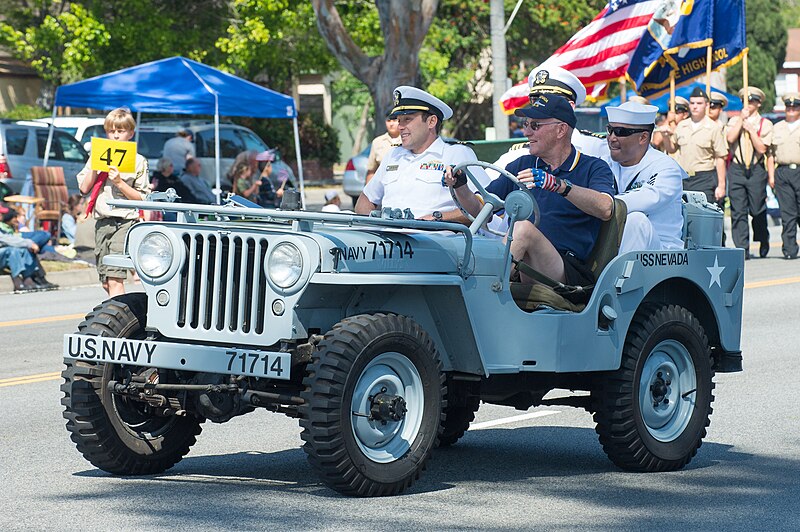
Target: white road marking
{"x": 512, "y": 419}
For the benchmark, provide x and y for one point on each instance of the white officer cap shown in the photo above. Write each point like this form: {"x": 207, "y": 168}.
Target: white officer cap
{"x": 409, "y": 100}
{"x": 633, "y": 113}
{"x": 546, "y": 79}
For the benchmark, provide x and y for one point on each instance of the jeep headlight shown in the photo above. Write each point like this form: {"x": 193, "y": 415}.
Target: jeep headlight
{"x": 285, "y": 265}
{"x": 154, "y": 255}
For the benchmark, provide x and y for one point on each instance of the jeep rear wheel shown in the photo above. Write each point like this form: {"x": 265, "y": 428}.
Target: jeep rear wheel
{"x": 374, "y": 397}
{"x": 463, "y": 400}
{"x": 652, "y": 413}
{"x": 116, "y": 434}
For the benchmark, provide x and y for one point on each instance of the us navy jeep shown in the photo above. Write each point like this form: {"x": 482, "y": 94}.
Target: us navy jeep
{"x": 383, "y": 334}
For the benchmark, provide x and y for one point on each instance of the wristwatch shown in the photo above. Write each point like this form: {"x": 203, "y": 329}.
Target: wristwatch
{"x": 567, "y": 187}
{"x": 437, "y": 215}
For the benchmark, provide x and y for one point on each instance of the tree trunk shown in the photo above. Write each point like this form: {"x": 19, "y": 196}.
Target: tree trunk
{"x": 404, "y": 24}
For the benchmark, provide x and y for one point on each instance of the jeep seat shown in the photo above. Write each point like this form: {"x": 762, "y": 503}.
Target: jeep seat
{"x": 546, "y": 293}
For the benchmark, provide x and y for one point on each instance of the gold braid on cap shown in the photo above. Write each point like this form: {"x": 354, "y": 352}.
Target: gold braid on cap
{"x": 550, "y": 89}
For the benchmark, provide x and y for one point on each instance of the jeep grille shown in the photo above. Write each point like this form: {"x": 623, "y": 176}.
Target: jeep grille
{"x": 223, "y": 284}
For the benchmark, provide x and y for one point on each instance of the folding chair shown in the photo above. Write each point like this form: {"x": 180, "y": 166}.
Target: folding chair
{"x": 49, "y": 184}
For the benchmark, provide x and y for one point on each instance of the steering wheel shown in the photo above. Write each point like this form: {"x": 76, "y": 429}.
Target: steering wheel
{"x": 511, "y": 199}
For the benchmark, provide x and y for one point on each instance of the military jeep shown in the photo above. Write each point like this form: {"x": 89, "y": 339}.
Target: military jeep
{"x": 383, "y": 334}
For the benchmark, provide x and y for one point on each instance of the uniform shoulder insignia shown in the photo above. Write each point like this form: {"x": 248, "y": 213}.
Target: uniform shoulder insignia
{"x": 592, "y": 133}
{"x": 454, "y": 141}
{"x": 521, "y": 145}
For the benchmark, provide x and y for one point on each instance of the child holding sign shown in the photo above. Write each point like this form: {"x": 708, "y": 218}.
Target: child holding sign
{"x": 114, "y": 171}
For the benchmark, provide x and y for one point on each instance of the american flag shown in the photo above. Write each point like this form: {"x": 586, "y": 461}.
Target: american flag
{"x": 601, "y": 51}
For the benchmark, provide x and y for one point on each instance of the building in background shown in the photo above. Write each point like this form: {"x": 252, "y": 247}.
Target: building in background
{"x": 19, "y": 83}
{"x": 788, "y": 79}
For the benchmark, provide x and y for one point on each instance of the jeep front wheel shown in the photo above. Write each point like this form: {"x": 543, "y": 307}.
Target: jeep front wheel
{"x": 374, "y": 399}
{"x": 114, "y": 433}
{"x": 652, "y": 413}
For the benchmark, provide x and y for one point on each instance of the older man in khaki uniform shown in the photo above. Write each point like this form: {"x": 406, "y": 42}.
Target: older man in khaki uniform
{"x": 750, "y": 137}
{"x": 700, "y": 148}
{"x": 786, "y": 174}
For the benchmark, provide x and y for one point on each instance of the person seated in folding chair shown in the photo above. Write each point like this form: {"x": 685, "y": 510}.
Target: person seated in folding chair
{"x": 649, "y": 181}
{"x": 574, "y": 192}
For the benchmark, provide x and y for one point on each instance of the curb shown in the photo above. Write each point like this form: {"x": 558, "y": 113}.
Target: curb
{"x": 65, "y": 279}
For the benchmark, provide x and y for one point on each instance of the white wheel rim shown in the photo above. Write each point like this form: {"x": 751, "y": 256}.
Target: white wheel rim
{"x": 387, "y": 441}
{"x": 667, "y": 390}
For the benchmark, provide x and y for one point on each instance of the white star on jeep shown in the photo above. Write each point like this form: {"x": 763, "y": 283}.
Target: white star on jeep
{"x": 715, "y": 272}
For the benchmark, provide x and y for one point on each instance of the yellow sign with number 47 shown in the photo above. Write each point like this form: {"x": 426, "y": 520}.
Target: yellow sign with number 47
{"x": 118, "y": 153}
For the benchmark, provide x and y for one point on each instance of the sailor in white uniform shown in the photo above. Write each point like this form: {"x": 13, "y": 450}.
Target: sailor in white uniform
{"x": 649, "y": 181}
{"x": 410, "y": 175}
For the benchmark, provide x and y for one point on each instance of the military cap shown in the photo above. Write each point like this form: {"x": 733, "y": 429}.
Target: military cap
{"x": 555, "y": 80}
{"x": 550, "y": 106}
{"x": 755, "y": 94}
{"x": 639, "y": 99}
{"x": 409, "y": 100}
{"x": 791, "y": 99}
{"x": 718, "y": 99}
{"x": 681, "y": 104}
{"x": 699, "y": 93}
{"x": 633, "y": 113}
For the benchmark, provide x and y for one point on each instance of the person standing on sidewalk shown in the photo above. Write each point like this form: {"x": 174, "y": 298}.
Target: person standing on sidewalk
{"x": 785, "y": 173}
{"x": 750, "y": 137}
{"x": 381, "y": 146}
{"x": 112, "y": 223}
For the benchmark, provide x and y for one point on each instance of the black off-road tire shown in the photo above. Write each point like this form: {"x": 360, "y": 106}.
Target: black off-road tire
{"x": 665, "y": 437}
{"x": 93, "y": 414}
{"x": 460, "y": 412}
{"x": 357, "y": 357}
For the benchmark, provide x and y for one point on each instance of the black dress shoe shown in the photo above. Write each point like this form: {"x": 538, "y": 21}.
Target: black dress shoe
{"x": 746, "y": 255}
{"x": 763, "y": 250}
{"x": 788, "y": 256}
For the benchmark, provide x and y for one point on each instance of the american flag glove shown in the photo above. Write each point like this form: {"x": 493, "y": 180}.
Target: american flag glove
{"x": 545, "y": 181}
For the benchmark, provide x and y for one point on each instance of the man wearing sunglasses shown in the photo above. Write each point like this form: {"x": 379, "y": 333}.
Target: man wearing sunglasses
{"x": 410, "y": 175}
{"x": 701, "y": 149}
{"x": 786, "y": 172}
{"x": 574, "y": 192}
{"x": 649, "y": 181}
{"x": 545, "y": 80}
{"x": 750, "y": 137}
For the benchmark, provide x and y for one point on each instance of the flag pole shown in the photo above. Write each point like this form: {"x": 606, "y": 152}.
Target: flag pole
{"x": 672, "y": 91}
{"x": 623, "y": 90}
{"x": 708, "y": 76}
{"x": 745, "y": 79}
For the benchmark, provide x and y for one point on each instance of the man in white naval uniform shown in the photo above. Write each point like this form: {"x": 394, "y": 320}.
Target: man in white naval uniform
{"x": 555, "y": 80}
{"x": 649, "y": 181}
{"x": 410, "y": 176}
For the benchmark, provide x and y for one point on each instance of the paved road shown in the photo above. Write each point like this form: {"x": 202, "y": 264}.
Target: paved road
{"x": 544, "y": 471}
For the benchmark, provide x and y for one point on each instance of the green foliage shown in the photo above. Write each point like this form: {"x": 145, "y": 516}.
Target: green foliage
{"x": 63, "y": 48}
{"x": 273, "y": 41}
{"x": 766, "y": 38}
{"x": 25, "y": 112}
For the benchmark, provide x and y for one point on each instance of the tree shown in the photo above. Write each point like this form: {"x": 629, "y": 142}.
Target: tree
{"x": 766, "y": 38}
{"x": 404, "y": 24}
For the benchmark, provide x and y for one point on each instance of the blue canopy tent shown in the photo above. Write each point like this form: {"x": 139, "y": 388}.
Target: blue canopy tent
{"x": 180, "y": 86}
{"x": 662, "y": 102}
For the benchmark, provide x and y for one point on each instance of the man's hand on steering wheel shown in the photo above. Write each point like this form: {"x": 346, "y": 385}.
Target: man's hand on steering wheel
{"x": 538, "y": 178}
{"x": 457, "y": 180}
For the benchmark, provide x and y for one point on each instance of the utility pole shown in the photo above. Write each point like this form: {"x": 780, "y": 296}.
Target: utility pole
{"x": 499, "y": 68}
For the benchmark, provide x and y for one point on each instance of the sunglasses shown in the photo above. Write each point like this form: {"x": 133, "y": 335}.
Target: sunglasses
{"x": 716, "y": 105}
{"x": 624, "y": 131}
{"x": 534, "y": 126}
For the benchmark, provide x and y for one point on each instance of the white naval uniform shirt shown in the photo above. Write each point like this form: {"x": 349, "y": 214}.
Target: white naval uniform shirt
{"x": 586, "y": 144}
{"x": 406, "y": 180}
{"x": 654, "y": 187}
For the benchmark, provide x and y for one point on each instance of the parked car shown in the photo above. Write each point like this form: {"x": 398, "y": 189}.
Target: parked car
{"x": 355, "y": 174}
{"x": 22, "y": 145}
{"x": 234, "y": 139}
{"x": 82, "y": 127}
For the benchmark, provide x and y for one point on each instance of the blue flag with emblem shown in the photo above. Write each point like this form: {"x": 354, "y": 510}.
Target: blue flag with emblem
{"x": 677, "y": 39}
